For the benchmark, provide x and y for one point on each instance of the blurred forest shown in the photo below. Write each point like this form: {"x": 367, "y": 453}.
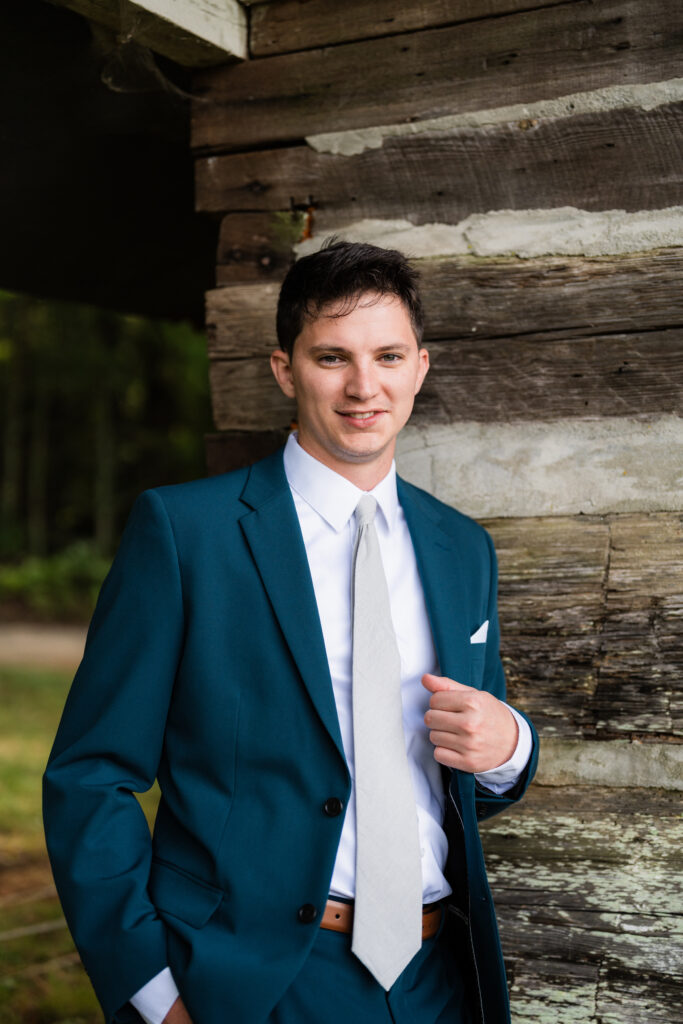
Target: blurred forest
{"x": 95, "y": 407}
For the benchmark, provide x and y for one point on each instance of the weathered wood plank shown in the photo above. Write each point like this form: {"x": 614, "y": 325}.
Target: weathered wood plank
{"x": 244, "y": 396}
{"x": 590, "y": 921}
{"x": 636, "y": 1000}
{"x": 195, "y": 33}
{"x": 586, "y": 855}
{"x": 482, "y": 380}
{"x": 574, "y": 657}
{"x": 612, "y": 375}
{"x": 238, "y": 448}
{"x": 578, "y": 161}
{"x": 551, "y": 603}
{"x": 640, "y": 679}
{"x": 553, "y": 992}
{"x": 303, "y": 24}
{"x": 495, "y": 297}
{"x": 257, "y": 247}
{"x": 515, "y": 58}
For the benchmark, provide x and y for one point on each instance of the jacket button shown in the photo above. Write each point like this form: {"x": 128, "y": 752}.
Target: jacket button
{"x": 307, "y": 914}
{"x": 333, "y": 807}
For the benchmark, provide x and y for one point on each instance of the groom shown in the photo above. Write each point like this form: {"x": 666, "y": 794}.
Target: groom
{"x": 305, "y": 654}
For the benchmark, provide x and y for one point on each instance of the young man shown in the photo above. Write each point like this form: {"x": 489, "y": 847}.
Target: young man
{"x": 305, "y": 653}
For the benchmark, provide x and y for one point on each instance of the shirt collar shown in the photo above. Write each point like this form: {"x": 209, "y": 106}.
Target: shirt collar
{"x": 333, "y": 496}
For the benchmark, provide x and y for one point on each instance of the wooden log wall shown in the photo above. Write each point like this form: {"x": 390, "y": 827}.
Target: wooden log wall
{"x": 528, "y": 155}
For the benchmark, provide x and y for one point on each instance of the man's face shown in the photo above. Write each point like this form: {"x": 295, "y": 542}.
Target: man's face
{"x": 354, "y": 378}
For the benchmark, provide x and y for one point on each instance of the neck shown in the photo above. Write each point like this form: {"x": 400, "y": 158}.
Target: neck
{"x": 362, "y": 474}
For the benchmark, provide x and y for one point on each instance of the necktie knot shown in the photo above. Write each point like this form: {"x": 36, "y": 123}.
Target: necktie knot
{"x": 365, "y": 510}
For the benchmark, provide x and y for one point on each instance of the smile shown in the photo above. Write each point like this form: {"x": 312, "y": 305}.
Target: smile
{"x": 361, "y": 415}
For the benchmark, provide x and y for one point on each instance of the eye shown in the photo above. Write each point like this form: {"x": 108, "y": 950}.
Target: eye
{"x": 391, "y": 357}
{"x": 330, "y": 359}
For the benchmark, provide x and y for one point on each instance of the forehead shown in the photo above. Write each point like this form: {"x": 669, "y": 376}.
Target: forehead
{"x": 369, "y": 313}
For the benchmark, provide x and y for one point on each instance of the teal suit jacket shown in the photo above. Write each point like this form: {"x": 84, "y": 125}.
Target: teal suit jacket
{"x": 205, "y": 667}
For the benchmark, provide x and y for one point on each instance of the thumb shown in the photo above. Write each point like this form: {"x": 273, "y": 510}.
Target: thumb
{"x": 436, "y": 683}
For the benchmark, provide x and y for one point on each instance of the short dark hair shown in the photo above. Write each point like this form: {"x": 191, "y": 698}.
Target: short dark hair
{"x": 343, "y": 272}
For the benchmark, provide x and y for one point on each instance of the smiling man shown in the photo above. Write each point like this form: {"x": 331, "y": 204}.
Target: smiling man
{"x": 305, "y": 654}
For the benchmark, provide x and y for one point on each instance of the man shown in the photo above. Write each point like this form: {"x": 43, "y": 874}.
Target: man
{"x": 305, "y": 653}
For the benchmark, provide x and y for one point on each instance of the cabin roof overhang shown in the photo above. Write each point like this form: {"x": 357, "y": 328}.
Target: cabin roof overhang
{"x": 194, "y": 33}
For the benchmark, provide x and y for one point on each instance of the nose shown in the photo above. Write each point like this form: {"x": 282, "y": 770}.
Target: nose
{"x": 361, "y": 381}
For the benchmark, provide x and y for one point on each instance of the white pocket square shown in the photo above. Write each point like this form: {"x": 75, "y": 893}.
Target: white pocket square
{"x": 480, "y": 636}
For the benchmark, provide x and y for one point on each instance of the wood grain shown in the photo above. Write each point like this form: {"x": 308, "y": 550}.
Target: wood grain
{"x": 237, "y": 448}
{"x": 621, "y": 159}
{"x": 483, "y": 380}
{"x": 590, "y": 921}
{"x": 583, "y": 655}
{"x": 640, "y": 678}
{"x": 303, "y": 24}
{"x": 499, "y": 381}
{"x": 466, "y": 296}
{"x": 515, "y": 58}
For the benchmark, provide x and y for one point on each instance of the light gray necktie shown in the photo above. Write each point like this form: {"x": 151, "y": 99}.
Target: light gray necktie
{"x": 387, "y": 922}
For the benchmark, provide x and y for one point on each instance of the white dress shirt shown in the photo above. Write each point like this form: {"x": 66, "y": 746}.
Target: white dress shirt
{"x": 325, "y": 504}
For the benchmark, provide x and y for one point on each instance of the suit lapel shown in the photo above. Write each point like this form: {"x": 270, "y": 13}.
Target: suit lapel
{"x": 272, "y": 531}
{"x": 443, "y": 581}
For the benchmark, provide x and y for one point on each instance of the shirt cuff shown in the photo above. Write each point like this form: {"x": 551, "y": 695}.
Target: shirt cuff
{"x": 500, "y": 780}
{"x": 155, "y": 999}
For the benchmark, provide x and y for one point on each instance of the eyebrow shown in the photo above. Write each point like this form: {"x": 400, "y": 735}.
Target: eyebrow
{"x": 399, "y": 346}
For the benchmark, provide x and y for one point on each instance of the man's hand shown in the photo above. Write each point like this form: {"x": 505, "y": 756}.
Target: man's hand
{"x": 470, "y": 729}
{"x": 177, "y": 1014}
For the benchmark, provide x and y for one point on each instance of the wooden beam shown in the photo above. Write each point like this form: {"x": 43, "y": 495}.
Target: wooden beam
{"x": 492, "y": 380}
{"x": 590, "y": 928}
{"x": 465, "y": 298}
{"x": 584, "y": 654}
{"x": 195, "y": 33}
{"x": 304, "y": 24}
{"x": 237, "y": 448}
{"x": 442, "y": 177}
{"x": 514, "y": 58}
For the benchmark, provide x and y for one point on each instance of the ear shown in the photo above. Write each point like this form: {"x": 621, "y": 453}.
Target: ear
{"x": 281, "y": 366}
{"x": 422, "y": 368}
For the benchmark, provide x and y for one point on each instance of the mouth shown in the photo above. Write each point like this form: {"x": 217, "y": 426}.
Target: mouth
{"x": 361, "y": 418}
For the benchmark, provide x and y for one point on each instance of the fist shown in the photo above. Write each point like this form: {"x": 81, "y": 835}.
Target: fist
{"x": 471, "y": 729}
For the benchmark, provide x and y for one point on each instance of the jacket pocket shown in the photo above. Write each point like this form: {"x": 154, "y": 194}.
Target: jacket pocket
{"x": 174, "y": 892}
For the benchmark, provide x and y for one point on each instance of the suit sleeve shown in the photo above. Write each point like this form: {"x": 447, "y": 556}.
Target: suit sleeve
{"x": 487, "y": 802}
{"x": 107, "y": 748}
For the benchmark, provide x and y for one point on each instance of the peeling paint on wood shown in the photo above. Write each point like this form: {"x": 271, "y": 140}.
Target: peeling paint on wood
{"x": 584, "y": 884}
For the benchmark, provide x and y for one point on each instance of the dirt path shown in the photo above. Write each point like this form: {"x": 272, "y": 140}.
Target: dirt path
{"x": 42, "y": 646}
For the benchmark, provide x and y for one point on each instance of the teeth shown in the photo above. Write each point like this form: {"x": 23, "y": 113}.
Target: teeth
{"x": 361, "y": 415}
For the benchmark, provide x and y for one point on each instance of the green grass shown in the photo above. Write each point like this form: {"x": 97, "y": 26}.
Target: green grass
{"x": 41, "y": 978}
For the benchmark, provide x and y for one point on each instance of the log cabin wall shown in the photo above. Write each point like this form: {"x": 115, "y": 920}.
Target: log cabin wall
{"x": 528, "y": 154}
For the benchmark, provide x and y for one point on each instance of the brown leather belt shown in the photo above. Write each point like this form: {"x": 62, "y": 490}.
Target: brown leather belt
{"x": 338, "y": 917}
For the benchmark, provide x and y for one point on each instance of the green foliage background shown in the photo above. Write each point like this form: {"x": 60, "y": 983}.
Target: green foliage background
{"x": 94, "y": 407}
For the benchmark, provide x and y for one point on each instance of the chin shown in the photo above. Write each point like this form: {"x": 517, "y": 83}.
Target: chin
{"x": 365, "y": 454}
